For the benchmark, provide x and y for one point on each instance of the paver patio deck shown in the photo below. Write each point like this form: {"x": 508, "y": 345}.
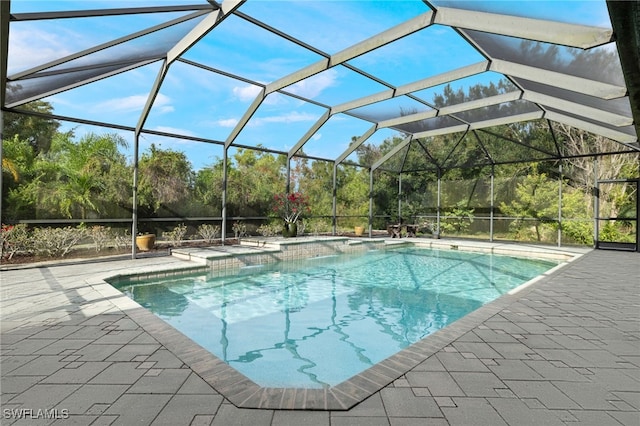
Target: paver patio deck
{"x": 563, "y": 351}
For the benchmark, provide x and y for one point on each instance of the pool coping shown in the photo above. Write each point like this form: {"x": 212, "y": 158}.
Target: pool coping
{"x": 244, "y": 393}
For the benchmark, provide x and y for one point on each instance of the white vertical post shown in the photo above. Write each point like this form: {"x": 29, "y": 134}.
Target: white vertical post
{"x": 560, "y": 208}
{"x": 596, "y": 203}
{"x": 225, "y": 155}
{"x": 438, "y": 206}
{"x": 334, "y": 200}
{"x": 399, "y": 198}
{"x": 370, "y": 202}
{"x": 134, "y": 216}
{"x": 492, "y": 202}
{"x": 288, "y": 188}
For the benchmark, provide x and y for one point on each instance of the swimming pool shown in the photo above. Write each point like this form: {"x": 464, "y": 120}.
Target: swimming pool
{"x": 314, "y": 323}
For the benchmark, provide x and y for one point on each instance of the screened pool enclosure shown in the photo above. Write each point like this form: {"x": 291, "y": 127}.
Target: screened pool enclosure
{"x": 503, "y": 120}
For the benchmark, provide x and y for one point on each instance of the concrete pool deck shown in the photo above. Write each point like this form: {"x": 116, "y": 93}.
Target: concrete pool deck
{"x": 563, "y": 351}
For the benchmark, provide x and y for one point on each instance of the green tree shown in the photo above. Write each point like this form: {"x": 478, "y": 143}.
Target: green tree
{"x": 536, "y": 198}
{"x": 9, "y": 167}
{"x": 17, "y": 168}
{"x": 207, "y": 200}
{"x": 352, "y": 194}
{"x": 70, "y": 180}
{"x": 17, "y": 158}
{"x": 316, "y": 182}
{"x": 254, "y": 178}
{"x": 38, "y": 131}
{"x": 165, "y": 181}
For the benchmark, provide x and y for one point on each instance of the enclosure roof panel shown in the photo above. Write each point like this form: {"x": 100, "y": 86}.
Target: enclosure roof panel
{"x": 320, "y": 78}
{"x": 582, "y": 14}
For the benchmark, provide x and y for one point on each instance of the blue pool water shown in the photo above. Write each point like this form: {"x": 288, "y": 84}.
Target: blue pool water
{"x": 317, "y": 322}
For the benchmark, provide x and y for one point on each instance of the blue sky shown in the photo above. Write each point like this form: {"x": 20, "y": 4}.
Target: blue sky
{"x": 196, "y": 102}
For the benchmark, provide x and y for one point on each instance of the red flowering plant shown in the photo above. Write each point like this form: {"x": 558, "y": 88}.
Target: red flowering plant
{"x": 291, "y": 206}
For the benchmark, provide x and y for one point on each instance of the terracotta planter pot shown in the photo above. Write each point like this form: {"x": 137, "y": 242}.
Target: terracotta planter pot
{"x": 145, "y": 242}
{"x": 359, "y": 231}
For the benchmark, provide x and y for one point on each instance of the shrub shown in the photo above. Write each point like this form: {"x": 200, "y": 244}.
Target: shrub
{"x": 618, "y": 231}
{"x": 239, "y": 229}
{"x": 302, "y": 225}
{"x": 208, "y": 232}
{"x": 459, "y": 219}
{"x": 176, "y": 235}
{"x": 57, "y": 242}
{"x": 270, "y": 229}
{"x": 14, "y": 239}
{"x": 122, "y": 240}
{"x": 317, "y": 226}
{"x": 100, "y": 235}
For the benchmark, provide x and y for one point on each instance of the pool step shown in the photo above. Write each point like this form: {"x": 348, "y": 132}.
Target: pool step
{"x": 260, "y": 250}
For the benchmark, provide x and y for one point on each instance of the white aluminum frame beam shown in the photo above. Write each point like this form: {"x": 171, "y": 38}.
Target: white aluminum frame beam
{"x": 316, "y": 126}
{"x": 106, "y": 45}
{"x": 447, "y": 77}
{"x": 409, "y": 26}
{"x": 207, "y": 24}
{"x": 355, "y": 145}
{"x": 578, "y": 109}
{"x": 452, "y": 109}
{"x": 196, "y": 33}
{"x": 419, "y": 116}
{"x": 436, "y": 80}
{"x": 621, "y": 137}
{"x": 518, "y": 118}
{"x": 391, "y": 153}
{"x": 89, "y": 13}
{"x": 458, "y": 128}
{"x": 5, "y": 8}
{"x": 81, "y": 83}
{"x": 245, "y": 117}
{"x": 399, "y": 31}
{"x": 556, "y": 79}
{"x": 481, "y": 103}
{"x": 153, "y": 93}
{"x": 573, "y": 35}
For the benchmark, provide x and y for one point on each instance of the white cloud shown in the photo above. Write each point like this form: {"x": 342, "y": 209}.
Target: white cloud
{"x": 60, "y": 101}
{"x": 276, "y": 98}
{"x": 175, "y": 130}
{"x": 246, "y": 93}
{"x": 316, "y": 136}
{"x": 228, "y": 122}
{"x": 314, "y": 85}
{"x": 292, "y": 117}
{"x": 33, "y": 47}
{"x": 132, "y": 103}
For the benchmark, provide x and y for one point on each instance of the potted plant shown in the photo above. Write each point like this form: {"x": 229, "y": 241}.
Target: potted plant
{"x": 290, "y": 207}
{"x": 359, "y": 230}
{"x": 145, "y": 242}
